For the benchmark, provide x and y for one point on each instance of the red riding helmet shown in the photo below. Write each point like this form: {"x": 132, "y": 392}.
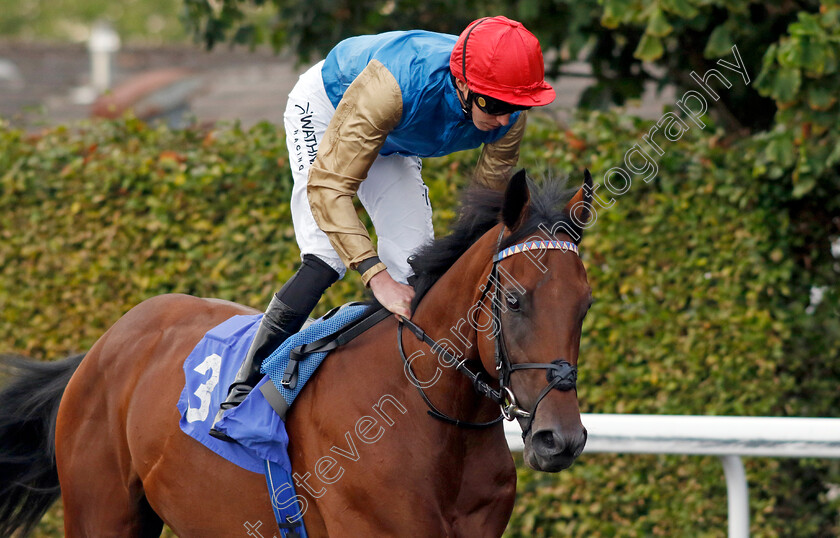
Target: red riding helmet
{"x": 499, "y": 58}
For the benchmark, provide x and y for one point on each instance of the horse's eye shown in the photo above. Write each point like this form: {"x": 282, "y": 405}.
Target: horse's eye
{"x": 513, "y": 303}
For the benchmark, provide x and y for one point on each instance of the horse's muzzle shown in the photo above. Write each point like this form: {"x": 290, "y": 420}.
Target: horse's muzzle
{"x": 552, "y": 451}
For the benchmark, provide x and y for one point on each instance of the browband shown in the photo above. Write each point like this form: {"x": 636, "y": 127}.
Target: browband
{"x": 536, "y": 245}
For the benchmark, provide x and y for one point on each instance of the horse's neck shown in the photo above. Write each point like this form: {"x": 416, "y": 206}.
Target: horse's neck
{"x": 444, "y": 314}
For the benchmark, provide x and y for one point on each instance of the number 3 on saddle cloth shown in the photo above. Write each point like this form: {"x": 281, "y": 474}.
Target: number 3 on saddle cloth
{"x": 262, "y": 442}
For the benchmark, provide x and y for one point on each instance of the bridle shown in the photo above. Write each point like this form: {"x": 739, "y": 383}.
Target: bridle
{"x": 560, "y": 374}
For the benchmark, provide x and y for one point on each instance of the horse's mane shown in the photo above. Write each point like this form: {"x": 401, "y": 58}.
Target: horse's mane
{"x": 479, "y": 211}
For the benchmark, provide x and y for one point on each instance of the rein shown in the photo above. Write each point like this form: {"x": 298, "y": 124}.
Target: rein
{"x": 480, "y": 385}
{"x": 560, "y": 374}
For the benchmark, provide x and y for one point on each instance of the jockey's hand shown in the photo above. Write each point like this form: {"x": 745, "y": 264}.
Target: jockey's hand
{"x": 391, "y": 294}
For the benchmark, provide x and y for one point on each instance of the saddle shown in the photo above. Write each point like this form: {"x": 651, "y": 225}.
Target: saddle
{"x": 257, "y": 423}
{"x": 294, "y": 362}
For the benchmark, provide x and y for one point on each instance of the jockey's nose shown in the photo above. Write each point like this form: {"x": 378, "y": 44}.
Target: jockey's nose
{"x": 503, "y": 120}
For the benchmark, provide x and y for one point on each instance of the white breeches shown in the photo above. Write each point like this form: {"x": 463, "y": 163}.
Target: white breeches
{"x": 393, "y": 194}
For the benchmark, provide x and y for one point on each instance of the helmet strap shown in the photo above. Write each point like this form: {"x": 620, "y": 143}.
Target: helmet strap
{"x": 466, "y": 101}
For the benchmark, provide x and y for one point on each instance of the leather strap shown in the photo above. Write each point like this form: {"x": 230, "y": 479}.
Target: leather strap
{"x": 480, "y": 386}
{"x": 273, "y": 396}
{"x": 275, "y": 399}
{"x": 330, "y": 342}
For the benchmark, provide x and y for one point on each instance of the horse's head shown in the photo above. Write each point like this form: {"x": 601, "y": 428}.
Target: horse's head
{"x": 539, "y": 295}
{"x": 524, "y": 307}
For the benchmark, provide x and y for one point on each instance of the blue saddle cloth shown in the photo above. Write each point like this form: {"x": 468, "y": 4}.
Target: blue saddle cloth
{"x": 262, "y": 442}
{"x": 210, "y": 369}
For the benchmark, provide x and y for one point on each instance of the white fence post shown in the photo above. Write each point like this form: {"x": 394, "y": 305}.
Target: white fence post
{"x": 103, "y": 43}
{"x": 738, "y": 496}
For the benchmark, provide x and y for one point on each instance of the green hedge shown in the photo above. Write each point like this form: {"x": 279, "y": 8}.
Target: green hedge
{"x": 700, "y": 275}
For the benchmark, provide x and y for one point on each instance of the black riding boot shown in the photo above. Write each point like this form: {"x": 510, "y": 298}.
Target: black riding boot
{"x": 285, "y": 315}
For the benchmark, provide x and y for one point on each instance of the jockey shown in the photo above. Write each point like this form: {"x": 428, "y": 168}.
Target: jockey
{"x": 358, "y": 123}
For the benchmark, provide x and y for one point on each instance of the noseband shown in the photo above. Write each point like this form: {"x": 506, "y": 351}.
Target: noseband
{"x": 560, "y": 374}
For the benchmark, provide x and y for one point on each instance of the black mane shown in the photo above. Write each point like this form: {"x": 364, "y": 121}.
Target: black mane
{"x": 479, "y": 211}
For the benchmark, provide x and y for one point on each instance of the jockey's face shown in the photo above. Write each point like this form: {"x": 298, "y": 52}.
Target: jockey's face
{"x": 487, "y": 122}
{"x": 482, "y": 120}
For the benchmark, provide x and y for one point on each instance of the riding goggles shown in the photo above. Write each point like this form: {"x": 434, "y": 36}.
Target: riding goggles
{"x": 495, "y": 107}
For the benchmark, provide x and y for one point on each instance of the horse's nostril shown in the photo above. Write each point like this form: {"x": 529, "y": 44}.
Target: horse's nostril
{"x": 553, "y": 451}
{"x": 546, "y": 443}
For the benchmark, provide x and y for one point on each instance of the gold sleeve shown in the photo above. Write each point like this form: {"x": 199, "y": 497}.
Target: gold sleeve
{"x": 497, "y": 159}
{"x": 369, "y": 110}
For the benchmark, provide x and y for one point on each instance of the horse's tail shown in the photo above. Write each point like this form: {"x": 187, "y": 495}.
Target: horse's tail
{"x": 28, "y": 409}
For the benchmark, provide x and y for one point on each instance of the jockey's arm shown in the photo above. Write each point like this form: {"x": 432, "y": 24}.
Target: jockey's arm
{"x": 498, "y": 158}
{"x": 369, "y": 110}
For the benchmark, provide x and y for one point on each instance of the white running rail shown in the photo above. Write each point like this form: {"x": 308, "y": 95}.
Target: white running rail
{"x": 727, "y": 437}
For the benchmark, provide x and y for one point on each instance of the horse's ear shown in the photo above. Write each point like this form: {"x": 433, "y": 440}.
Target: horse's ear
{"x": 579, "y": 207}
{"x": 517, "y": 196}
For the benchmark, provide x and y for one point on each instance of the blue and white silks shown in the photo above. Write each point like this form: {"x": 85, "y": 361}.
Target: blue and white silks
{"x": 432, "y": 123}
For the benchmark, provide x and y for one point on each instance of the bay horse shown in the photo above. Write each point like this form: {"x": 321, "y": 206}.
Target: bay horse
{"x": 368, "y": 458}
